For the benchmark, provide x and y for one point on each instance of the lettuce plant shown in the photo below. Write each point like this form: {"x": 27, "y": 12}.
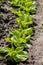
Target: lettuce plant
{"x": 27, "y": 5}
{"x": 20, "y": 37}
{"x": 24, "y": 20}
{"x": 13, "y": 54}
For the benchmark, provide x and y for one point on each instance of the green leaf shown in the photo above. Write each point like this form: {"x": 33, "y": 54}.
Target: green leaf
{"x": 21, "y": 57}
{"x": 18, "y": 54}
{"x": 28, "y": 31}
{"x": 28, "y": 37}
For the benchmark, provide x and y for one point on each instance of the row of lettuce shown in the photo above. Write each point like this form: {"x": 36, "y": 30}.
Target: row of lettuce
{"x": 19, "y": 37}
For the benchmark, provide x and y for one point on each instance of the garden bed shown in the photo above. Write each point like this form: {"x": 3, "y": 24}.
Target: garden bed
{"x": 7, "y": 21}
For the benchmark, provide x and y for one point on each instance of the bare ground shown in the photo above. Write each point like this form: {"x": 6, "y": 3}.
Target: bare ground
{"x": 37, "y": 48}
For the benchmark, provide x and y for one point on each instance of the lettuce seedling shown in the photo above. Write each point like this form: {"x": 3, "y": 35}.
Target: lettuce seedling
{"x": 13, "y": 54}
{"x": 20, "y": 37}
{"x": 27, "y": 5}
{"x": 24, "y": 21}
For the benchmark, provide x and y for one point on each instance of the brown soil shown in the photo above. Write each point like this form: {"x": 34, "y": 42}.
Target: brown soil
{"x": 37, "y": 49}
{"x": 7, "y": 21}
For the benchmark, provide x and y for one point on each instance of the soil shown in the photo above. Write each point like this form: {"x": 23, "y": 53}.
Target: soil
{"x": 7, "y": 21}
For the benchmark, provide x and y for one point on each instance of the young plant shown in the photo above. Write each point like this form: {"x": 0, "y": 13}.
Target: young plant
{"x": 24, "y": 20}
{"x": 13, "y": 54}
{"x": 27, "y": 5}
{"x": 20, "y": 37}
